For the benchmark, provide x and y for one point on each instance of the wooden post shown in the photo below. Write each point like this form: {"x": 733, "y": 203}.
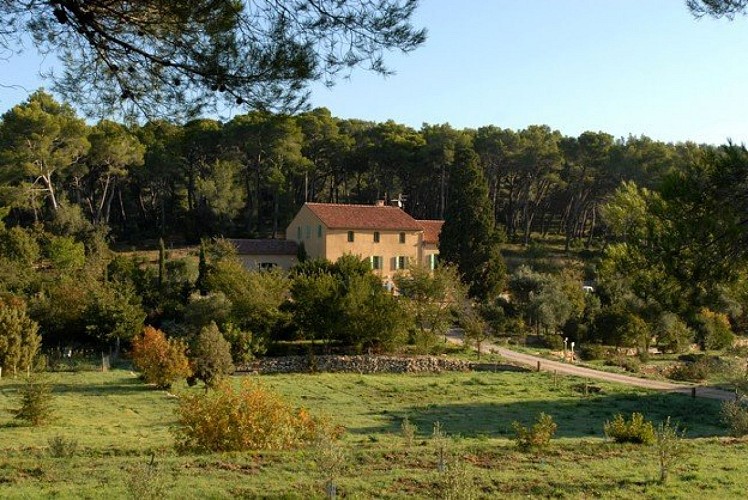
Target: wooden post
{"x": 693, "y": 392}
{"x": 538, "y": 365}
{"x": 585, "y": 388}
{"x": 1, "y": 372}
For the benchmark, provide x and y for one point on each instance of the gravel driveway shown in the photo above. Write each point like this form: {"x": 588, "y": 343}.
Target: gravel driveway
{"x": 580, "y": 371}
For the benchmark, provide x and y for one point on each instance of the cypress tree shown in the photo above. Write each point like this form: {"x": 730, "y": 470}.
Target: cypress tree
{"x": 469, "y": 238}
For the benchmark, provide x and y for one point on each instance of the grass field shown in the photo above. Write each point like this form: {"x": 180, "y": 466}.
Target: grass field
{"x": 122, "y": 425}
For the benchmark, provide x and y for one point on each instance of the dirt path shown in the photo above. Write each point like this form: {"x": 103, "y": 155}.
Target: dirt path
{"x": 580, "y": 371}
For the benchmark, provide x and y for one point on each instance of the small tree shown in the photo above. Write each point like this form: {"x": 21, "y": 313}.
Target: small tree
{"x": 36, "y": 402}
{"x": 669, "y": 446}
{"x": 163, "y": 361}
{"x": 19, "y": 340}
{"x": 212, "y": 356}
{"x": 535, "y": 437}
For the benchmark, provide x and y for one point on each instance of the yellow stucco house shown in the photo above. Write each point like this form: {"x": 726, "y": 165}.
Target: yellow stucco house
{"x": 386, "y": 235}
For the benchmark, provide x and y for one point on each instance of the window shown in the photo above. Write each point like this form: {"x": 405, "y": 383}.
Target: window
{"x": 298, "y": 233}
{"x": 400, "y": 262}
{"x": 376, "y": 262}
{"x": 319, "y": 231}
{"x": 350, "y": 236}
{"x": 267, "y": 266}
{"x": 376, "y": 236}
{"x": 402, "y": 237}
{"x": 308, "y": 232}
{"x": 432, "y": 261}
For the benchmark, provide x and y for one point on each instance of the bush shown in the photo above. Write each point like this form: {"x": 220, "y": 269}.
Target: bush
{"x": 212, "y": 356}
{"x": 249, "y": 418}
{"x": 163, "y": 361}
{"x": 60, "y": 447}
{"x": 36, "y": 403}
{"x": 735, "y": 416}
{"x": 629, "y": 364}
{"x": 670, "y": 449}
{"x": 537, "y": 436}
{"x": 636, "y": 430}
{"x": 591, "y": 352}
{"x": 693, "y": 371}
{"x": 714, "y": 331}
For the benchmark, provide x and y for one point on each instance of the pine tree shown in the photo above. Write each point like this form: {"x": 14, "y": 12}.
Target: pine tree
{"x": 212, "y": 356}
{"x": 469, "y": 238}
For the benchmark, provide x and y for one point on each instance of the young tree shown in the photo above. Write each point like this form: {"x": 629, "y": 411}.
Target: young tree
{"x": 211, "y": 356}
{"x": 469, "y": 238}
{"x": 19, "y": 338}
{"x": 163, "y": 361}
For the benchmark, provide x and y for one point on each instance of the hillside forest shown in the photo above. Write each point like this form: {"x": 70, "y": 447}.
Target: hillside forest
{"x": 659, "y": 229}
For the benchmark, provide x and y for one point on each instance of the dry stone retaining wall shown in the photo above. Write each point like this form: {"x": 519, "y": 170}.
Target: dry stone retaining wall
{"x": 356, "y": 364}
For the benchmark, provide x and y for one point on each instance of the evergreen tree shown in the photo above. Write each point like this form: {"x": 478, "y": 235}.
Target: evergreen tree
{"x": 212, "y": 356}
{"x": 469, "y": 238}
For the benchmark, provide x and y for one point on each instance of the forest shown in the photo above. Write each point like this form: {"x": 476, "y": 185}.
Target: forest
{"x": 658, "y": 228}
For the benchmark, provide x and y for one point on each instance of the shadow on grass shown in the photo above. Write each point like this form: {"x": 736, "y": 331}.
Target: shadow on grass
{"x": 121, "y": 386}
{"x": 576, "y": 416}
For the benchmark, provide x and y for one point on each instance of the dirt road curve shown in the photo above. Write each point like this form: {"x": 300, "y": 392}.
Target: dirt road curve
{"x": 579, "y": 371}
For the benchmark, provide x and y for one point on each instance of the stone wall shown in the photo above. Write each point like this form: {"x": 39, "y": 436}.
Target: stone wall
{"x": 356, "y": 364}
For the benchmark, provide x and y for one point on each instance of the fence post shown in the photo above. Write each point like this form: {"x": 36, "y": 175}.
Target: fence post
{"x": 538, "y": 365}
{"x": 693, "y": 392}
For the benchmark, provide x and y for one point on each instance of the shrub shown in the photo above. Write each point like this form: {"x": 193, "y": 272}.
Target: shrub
{"x": 36, "y": 402}
{"x": 537, "y": 436}
{"x": 670, "y": 449}
{"x": 19, "y": 340}
{"x": 629, "y": 364}
{"x": 248, "y": 418}
{"x": 409, "y": 430}
{"x": 60, "y": 447}
{"x": 735, "y": 416}
{"x": 693, "y": 371}
{"x": 635, "y": 430}
{"x": 714, "y": 331}
{"x": 212, "y": 356}
{"x": 163, "y": 361}
{"x": 591, "y": 352}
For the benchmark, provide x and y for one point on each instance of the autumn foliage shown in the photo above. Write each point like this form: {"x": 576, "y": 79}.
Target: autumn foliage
{"x": 250, "y": 417}
{"x": 163, "y": 361}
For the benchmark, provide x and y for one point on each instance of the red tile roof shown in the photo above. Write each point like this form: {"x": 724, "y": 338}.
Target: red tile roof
{"x": 265, "y": 247}
{"x": 431, "y": 230}
{"x": 337, "y": 216}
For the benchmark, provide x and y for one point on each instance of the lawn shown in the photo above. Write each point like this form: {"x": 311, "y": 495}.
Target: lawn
{"x": 122, "y": 426}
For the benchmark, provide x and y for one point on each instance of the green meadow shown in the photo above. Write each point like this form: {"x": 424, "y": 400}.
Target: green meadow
{"x": 124, "y": 444}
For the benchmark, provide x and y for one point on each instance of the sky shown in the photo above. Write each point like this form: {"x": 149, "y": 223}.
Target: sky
{"x": 626, "y": 67}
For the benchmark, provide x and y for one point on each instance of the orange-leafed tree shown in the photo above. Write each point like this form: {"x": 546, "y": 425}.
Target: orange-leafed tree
{"x": 162, "y": 361}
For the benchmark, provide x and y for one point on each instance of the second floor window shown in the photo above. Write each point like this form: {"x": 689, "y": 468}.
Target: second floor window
{"x": 350, "y": 236}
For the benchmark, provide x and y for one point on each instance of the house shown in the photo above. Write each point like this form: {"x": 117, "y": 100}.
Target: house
{"x": 266, "y": 254}
{"x": 384, "y": 234}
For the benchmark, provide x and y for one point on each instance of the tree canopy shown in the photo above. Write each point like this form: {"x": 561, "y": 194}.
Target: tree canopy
{"x": 158, "y": 56}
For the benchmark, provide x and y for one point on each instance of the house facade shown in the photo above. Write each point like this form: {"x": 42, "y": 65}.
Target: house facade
{"x": 386, "y": 235}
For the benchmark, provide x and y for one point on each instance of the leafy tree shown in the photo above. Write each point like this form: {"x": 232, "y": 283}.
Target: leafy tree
{"x": 673, "y": 334}
{"x": 211, "y": 356}
{"x": 163, "y": 361}
{"x": 65, "y": 253}
{"x": 713, "y": 331}
{"x": 182, "y": 56}
{"x": 39, "y": 141}
{"x": 19, "y": 338}
{"x": 371, "y": 317}
{"x": 430, "y": 298}
{"x": 469, "y": 238}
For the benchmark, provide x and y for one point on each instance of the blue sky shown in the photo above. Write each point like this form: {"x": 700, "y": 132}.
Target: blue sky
{"x": 620, "y": 66}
